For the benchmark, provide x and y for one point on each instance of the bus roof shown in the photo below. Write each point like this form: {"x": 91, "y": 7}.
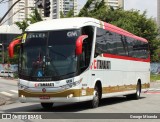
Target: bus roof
{"x": 77, "y": 22}
{"x": 63, "y": 23}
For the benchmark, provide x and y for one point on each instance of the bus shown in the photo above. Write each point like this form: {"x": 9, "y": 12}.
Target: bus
{"x": 80, "y": 59}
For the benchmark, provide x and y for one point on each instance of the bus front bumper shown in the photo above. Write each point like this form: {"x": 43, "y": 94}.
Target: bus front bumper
{"x": 71, "y": 95}
{"x": 50, "y": 100}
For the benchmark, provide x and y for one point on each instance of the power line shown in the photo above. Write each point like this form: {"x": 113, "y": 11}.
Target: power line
{"x": 14, "y": 14}
{"x": 4, "y": 1}
{"x": 9, "y": 10}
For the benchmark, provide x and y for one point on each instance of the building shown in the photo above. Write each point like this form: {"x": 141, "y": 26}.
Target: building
{"x": 63, "y": 6}
{"x": 20, "y": 9}
{"x": 158, "y": 13}
{"x": 114, "y": 3}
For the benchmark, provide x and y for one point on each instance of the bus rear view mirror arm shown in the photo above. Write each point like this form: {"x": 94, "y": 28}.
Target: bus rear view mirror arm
{"x": 11, "y": 47}
{"x": 79, "y": 43}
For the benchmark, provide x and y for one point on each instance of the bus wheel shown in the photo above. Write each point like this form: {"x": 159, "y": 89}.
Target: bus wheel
{"x": 96, "y": 97}
{"x": 138, "y": 91}
{"x": 47, "y": 105}
{"x": 137, "y": 94}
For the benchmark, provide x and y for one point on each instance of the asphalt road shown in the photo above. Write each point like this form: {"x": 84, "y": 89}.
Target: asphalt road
{"x": 149, "y": 103}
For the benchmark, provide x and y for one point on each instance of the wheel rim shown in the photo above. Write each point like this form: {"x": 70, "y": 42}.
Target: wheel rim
{"x": 95, "y": 99}
{"x": 138, "y": 90}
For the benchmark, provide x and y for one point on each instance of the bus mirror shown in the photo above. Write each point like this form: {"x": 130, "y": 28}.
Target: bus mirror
{"x": 79, "y": 43}
{"x": 11, "y": 47}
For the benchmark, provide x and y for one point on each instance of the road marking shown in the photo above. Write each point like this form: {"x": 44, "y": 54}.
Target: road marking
{"x": 7, "y": 94}
{"x": 152, "y": 92}
{"x": 15, "y": 91}
{"x": 154, "y": 89}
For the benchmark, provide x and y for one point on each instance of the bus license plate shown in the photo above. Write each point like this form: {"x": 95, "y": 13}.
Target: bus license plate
{"x": 44, "y": 97}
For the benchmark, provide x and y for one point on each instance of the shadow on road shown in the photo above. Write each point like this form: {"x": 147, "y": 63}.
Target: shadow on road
{"x": 74, "y": 107}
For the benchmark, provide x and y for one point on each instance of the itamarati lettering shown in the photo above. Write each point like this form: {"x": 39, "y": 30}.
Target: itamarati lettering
{"x": 103, "y": 64}
{"x": 44, "y": 84}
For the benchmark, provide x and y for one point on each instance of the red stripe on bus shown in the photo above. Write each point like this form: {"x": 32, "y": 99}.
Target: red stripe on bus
{"x": 118, "y": 30}
{"x": 125, "y": 57}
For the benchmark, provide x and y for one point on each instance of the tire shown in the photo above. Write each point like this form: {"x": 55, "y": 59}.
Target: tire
{"x": 136, "y": 95}
{"x": 96, "y": 97}
{"x": 47, "y": 105}
{"x": 138, "y": 91}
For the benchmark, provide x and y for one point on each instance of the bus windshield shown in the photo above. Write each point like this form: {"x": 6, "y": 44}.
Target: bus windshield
{"x": 49, "y": 54}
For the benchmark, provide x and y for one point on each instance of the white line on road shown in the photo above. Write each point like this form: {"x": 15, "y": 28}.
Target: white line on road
{"x": 154, "y": 89}
{"x": 6, "y": 93}
{"x": 15, "y": 91}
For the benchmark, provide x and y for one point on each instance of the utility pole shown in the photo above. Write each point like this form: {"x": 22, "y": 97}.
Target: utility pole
{"x": 9, "y": 10}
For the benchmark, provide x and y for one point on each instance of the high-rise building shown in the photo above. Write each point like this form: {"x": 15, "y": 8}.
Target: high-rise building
{"x": 57, "y": 6}
{"x": 114, "y": 3}
{"x": 20, "y": 9}
{"x": 158, "y": 12}
{"x": 63, "y": 6}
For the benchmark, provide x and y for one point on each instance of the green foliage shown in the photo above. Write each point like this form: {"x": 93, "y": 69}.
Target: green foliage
{"x": 155, "y": 77}
{"x": 99, "y": 11}
{"x": 33, "y": 18}
{"x": 22, "y": 25}
{"x": 69, "y": 14}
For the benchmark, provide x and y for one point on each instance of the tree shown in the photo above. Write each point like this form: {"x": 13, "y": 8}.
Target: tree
{"x": 68, "y": 15}
{"x": 130, "y": 20}
{"x": 22, "y": 25}
{"x": 33, "y": 18}
{"x": 99, "y": 11}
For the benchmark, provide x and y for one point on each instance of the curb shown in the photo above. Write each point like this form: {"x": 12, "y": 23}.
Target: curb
{"x": 6, "y": 78}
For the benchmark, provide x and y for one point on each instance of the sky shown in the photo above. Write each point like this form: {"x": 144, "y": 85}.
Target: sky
{"x": 149, "y": 5}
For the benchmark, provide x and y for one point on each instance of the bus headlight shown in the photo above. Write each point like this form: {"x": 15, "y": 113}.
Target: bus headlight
{"x": 22, "y": 87}
{"x": 70, "y": 85}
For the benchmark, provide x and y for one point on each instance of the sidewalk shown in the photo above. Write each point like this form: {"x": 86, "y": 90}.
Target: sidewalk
{"x": 155, "y": 84}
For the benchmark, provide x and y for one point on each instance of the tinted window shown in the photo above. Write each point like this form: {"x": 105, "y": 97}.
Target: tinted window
{"x": 109, "y": 42}
{"x": 137, "y": 49}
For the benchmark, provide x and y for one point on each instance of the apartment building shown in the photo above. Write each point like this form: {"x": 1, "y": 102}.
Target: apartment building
{"x": 23, "y": 12}
{"x": 20, "y": 9}
{"x": 63, "y": 6}
{"x": 114, "y": 3}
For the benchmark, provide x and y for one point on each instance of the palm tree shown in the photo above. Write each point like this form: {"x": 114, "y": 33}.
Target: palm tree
{"x": 34, "y": 17}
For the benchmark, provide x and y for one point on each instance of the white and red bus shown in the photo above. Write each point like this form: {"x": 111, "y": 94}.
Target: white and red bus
{"x": 80, "y": 59}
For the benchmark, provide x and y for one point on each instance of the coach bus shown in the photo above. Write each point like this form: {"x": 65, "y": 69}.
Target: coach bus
{"x": 80, "y": 59}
